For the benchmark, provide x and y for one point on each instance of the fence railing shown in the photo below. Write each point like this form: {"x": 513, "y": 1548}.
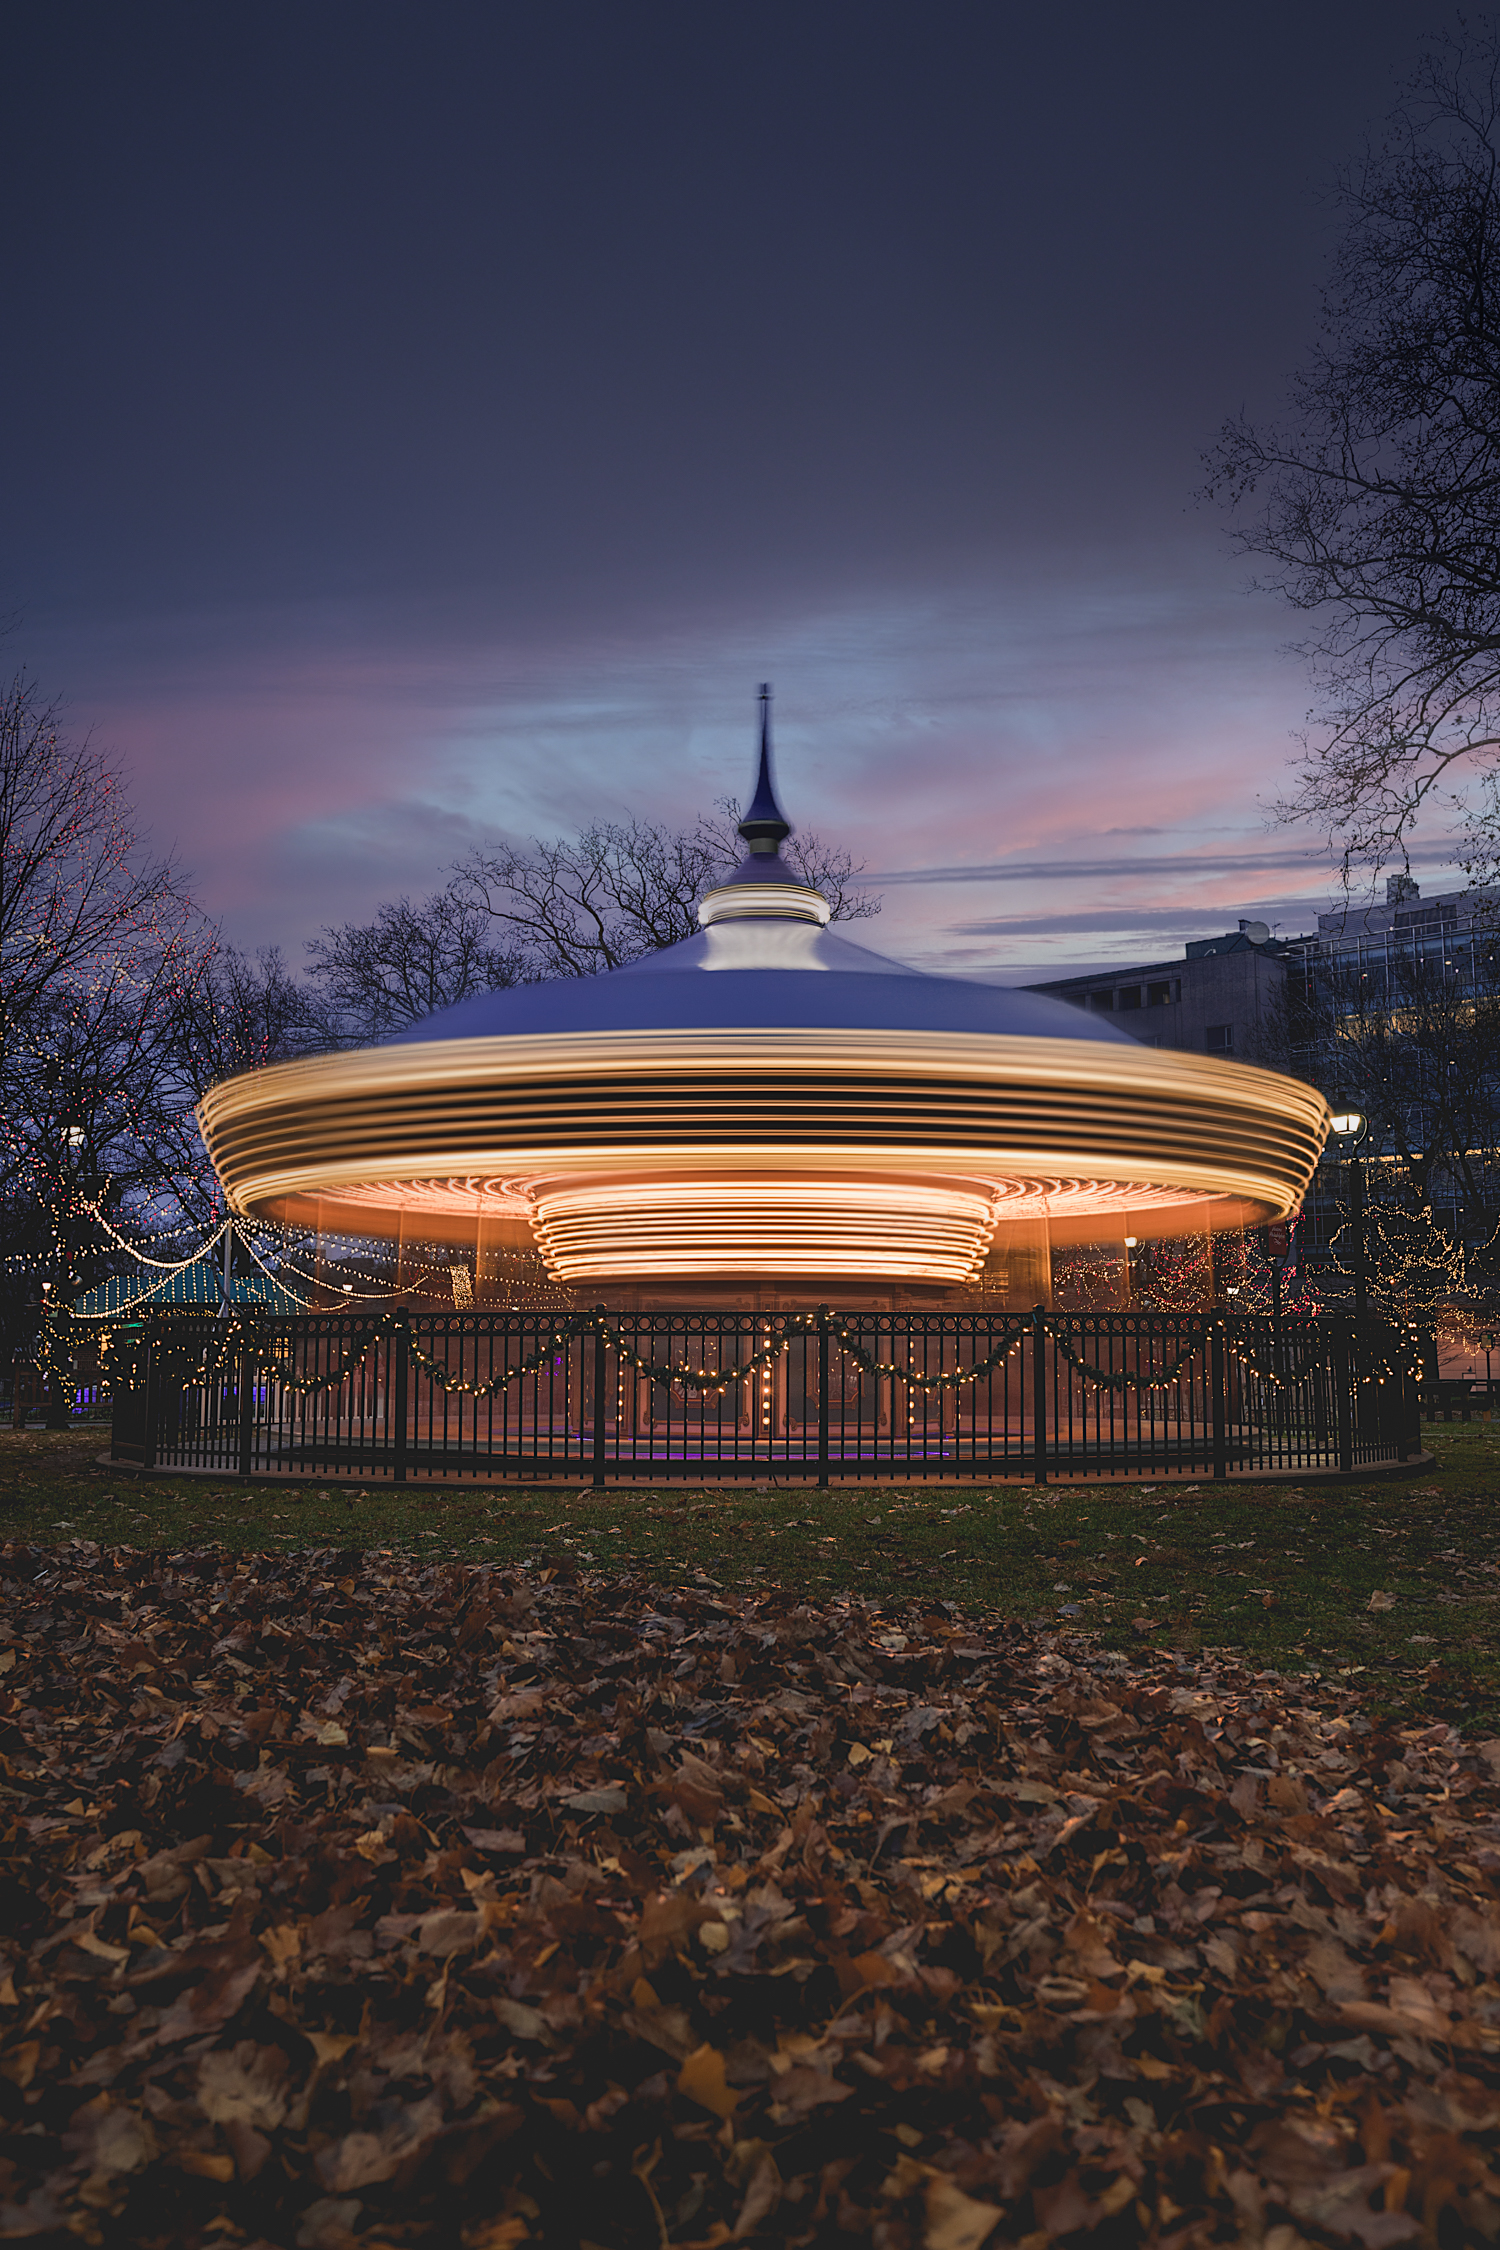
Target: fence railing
{"x": 827, "y": 1397}
{"x": 85, "y": 1403}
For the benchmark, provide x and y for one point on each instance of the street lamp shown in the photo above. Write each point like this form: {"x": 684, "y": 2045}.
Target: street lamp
{"x": 1349, "y": 1127}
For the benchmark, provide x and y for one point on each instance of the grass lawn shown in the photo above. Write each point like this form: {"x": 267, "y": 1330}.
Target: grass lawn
{"x": 1282, "y": 1576}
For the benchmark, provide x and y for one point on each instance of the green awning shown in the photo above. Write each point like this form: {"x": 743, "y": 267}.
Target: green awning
{"x": 196, "y": 1286}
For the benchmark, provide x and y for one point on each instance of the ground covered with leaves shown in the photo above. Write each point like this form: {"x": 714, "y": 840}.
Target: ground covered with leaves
{"x": 1395, "y": 1582}
{"x": 353, "y": 1900}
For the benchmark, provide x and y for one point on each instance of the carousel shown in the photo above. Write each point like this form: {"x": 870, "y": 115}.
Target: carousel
{"x": 765, "y": 1113}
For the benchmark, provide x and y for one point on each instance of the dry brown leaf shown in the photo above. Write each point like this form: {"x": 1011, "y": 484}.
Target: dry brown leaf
{"x": 205, "y": 2163}
{"x": 955, "y": 2221}
{"x": 244, "y": 2086}
{"x": 702, "y": 2079}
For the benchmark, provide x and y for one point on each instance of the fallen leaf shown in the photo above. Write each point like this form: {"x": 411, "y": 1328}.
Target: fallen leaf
{"x": 205, "y": 2164}
{"x": 110, "y": 2138}
{"x": 597, "y": 1800}
{"x": 702, "y": 2079}
{"x": 18, "y": 2064}
{"x": 245, "y": 2086}
{"x": 955, "y": 2221}
{"x": 449, "y": 1931}
{"x": 508, "y": 1840}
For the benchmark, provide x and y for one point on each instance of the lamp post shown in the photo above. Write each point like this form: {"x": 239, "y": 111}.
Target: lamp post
{"x": 57, "y": 1293}
{"x": 1350, "y": 1126}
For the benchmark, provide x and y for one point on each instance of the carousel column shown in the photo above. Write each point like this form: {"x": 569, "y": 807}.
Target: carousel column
{"x": 486, "y": 1264}
{"x": 1028, "y": 1257}
{"x": 325, "y": 1283}
{"x": 1205, "y": 1261}
{"x": 1129, "y": 1250}
{"x": 1028, "y": 1292}
{"x": 407, "y": 1261}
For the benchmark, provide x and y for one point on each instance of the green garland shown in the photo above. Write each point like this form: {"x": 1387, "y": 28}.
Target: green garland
{"x": 703, "y": 1379}
{"x": 237, "y": 1335}
{"x": 1121, "y": 1379}
{"x": 949, "y": 1379}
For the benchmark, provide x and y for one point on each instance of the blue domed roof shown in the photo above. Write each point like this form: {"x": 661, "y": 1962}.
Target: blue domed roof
{"x": 763, "y": 972}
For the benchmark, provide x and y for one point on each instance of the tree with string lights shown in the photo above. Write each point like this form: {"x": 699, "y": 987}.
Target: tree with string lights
{"x": 1416, "y": 1272}
{"x": 99, "y": 944}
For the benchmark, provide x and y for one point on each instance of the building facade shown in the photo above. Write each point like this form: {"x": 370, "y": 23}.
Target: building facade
{"x": 1219, "y": 998}
{"x": 1383, "y": 1007}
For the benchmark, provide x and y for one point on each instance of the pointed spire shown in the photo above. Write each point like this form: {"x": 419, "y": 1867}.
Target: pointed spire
{"x": 763, "y": 887}
{"x": 765, "y": 825}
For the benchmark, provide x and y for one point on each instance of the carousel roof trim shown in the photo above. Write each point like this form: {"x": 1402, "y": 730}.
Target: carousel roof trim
{"x": 938, "y": 1102}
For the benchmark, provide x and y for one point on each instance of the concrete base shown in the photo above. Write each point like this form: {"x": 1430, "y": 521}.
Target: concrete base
{"x": 1420, "y": 1464}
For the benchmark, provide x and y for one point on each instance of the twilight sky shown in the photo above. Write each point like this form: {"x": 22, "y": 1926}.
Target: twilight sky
{"x": 426, "y": 422}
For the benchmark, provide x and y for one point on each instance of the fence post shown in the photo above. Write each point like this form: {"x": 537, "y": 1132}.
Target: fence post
{"x": 822, "y": 1398}
{"x": 598, "y": 1395}
{"x": 1217, "y": 1374}
{"x": 400, "y": 1365}
{"x": 1038, "y": 1395}
{"x": 247, "y": 1409}
{"x": 149, "y": 1402}
{"x": 1343, "y": 1382}
{"x": 1411, "y": 1407}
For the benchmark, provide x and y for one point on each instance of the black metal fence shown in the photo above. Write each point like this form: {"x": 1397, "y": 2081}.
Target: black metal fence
{"x": 804, "y": 1397}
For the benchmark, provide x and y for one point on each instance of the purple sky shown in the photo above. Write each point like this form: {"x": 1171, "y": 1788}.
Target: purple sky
{"x": 431, "y": 423}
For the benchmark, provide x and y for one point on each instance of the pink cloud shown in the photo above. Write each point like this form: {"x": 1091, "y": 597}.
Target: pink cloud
{"x": 309, "y": 766}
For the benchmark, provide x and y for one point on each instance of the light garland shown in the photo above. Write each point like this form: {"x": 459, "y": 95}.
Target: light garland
{"x": 238, "y": 1337}
{"x": 164, "y": 1265}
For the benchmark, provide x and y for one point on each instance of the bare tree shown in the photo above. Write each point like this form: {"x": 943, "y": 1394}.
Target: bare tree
{"x": 373, "y": 978}
{"x": 239, "y": 1012}
{"x": 98, "y": 944}
{"x": 1375, "y": 506}
{"x": 579, "y": 905}
{"x": 76, "y": 888}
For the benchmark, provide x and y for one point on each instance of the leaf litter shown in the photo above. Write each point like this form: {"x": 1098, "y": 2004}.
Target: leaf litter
{"x": 349, "y": 1899}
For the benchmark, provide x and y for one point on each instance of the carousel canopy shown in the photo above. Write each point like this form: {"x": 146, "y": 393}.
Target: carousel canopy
{"x": 199, "y": 1286}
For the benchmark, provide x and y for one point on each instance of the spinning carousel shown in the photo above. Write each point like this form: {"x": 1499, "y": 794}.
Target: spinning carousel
{"x": 763, "y": 1113}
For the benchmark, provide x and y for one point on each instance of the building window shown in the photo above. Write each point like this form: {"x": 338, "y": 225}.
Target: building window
{"x": 1159, "y": 995}
{"x": 1220, "y": 1039}
{"x": 1130, "y": 996}
{"x": 1101, "y": 999}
